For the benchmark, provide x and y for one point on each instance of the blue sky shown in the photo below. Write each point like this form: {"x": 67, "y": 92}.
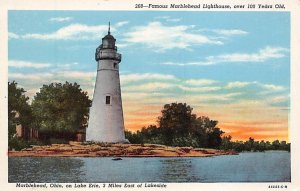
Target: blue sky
{"x": 218, "y": 62}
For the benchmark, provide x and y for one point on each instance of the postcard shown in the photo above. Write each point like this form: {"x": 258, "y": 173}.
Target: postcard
{"x": 150, "y": 95}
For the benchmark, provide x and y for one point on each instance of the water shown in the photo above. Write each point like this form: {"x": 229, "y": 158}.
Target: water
{"x": 271, "y": 166}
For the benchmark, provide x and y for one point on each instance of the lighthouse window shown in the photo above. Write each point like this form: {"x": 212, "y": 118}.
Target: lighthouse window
{"x": 107, "y": 100}
{"x": 115, "y": 65}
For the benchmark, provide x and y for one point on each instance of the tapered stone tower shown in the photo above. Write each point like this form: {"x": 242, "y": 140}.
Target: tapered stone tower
{"x": 106, "y": 123}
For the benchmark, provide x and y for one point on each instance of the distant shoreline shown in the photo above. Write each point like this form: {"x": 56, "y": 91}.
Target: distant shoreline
{"x": 78, "y": 149}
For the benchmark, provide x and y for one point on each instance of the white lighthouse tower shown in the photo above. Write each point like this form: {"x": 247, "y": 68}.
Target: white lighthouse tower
{"x": 106, "y": 123}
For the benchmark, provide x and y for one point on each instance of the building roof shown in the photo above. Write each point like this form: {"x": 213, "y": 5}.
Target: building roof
{"x": 109, "y": 36}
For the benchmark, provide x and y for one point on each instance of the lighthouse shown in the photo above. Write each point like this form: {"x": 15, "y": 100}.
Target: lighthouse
{"x": 106, "y": 122}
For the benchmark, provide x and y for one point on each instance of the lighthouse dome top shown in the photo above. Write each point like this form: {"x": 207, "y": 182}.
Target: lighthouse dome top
{"x": 109, "y": 36}
{"x": 108, "y": 41}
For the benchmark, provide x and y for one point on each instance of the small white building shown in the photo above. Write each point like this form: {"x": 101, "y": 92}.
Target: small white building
{"x": 106, "y": 123}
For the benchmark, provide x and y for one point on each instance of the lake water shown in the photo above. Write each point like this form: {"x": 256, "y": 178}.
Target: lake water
{"x": 269, "y": 166}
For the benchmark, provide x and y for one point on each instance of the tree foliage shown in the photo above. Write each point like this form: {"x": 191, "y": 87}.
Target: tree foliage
{"x": 19, "y": 111}
{"x": 252, "y": 145}
{"x": 60, "y": 110}
{"x": 178, "y": 126}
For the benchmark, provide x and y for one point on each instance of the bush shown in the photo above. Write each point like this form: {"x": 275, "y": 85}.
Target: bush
{"x": 19, "y": 144}
{"x": 58, "y": 141}
{"x": 102, "y": 144}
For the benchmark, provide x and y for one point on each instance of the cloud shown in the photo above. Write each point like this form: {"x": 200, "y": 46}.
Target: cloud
{"x": 26, "y": 64}
{"x": 53, "y": 67}
{"x": 162, "y": 17}
{"x": 122, "y": 45}
{"x": 13, "y": 36}
{"x": 262, "y": 55}
{"x": 168, "y": 19}
{"x": 200, "y": 82}
{"x": 241, "y": 119}
{"x": 271, "y": 87}
{"x": 205, "y": 98}
{"x": 223, "y": 33}
{"x": 237, "y": 84}
{"x": 31, "y": 82}
{"x": 200, "y": 89}
{"x": 60, "y": 19}
{"x": 279, "y": 99}
{"x": 149, "y": 87}
{"x": 230, "y": 32}
{"x": 70, "y": 32}
{"x": 143, "y": 96}
{"x": 205, "y": 63}
{"x": 263, "y": 86}
{"x": 157, "y": 88}
{"x": 173, "y": 20}
{"x": 148, "y": 82}
{"x": 77, "y": 74}
{"x": 135, "y": 77}
{"x": 161, "y": 37}
{"x": 122, "y": 23}
{"x": 176, "y": 89}
{"x": 34, "y": 76}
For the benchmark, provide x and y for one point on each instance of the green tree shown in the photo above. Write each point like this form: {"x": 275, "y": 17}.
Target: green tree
{"x": 262, "y": 145}
{"x": 175, "y": 121}
{"x": 133, "y": 138}
{"x": 268, "y": 145}
{"x": 178, "y": 126}
{"x": 226, "y": 143}
{"x": 19, "y": 111}
{"x": 213, "y": 133}
{"x": 151, "y": 134}
{"x": 60, "y": 110}
{"x": 276, "y": 145}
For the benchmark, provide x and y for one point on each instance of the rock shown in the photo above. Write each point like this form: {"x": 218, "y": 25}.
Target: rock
{"x": 186, "y": 149}
{"x": 102, "y": 153}
{"x": 56, "y": 145}
{"x": 81, "y": 152}
{"x": 65, "y": 149}
{"x": 27, "y": 149}
{"x": 95, "y": 148}
{"x": 36, "y": 147}
{"x": 117, "y": 158}
{"x": 118, "y": 150}
{"x": 75, "y": 143}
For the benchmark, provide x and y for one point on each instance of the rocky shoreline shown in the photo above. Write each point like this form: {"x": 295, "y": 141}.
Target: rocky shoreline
{"x": 78, "y": 149}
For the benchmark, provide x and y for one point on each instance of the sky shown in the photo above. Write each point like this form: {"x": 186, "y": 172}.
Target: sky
{"x": 233, "y": 67}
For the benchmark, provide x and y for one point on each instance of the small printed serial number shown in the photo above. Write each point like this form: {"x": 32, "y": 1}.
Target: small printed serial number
{"x": 139, "y": 6}
{"x": 151, "y": 6}
{"x": 277, "y": 186}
